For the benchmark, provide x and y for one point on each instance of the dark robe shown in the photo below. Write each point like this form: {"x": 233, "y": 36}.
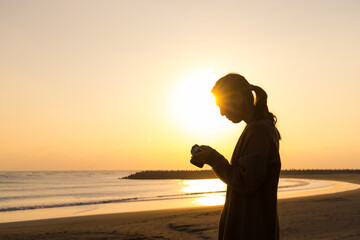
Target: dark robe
{"x": 250, "y": 210}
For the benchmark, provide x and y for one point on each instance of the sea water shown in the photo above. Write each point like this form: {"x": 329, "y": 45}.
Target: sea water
{"x": 51, "y": 194}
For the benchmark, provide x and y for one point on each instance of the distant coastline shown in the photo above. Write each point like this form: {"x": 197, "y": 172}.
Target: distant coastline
{"x": 172, "y": 174}
{"x": 206, "y": 174}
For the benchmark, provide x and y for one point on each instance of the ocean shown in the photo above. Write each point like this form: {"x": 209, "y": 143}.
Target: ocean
{"x": 50, "y": 194}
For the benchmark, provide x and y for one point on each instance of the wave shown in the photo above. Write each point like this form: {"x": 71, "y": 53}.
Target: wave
{"x": 122, "y": 200}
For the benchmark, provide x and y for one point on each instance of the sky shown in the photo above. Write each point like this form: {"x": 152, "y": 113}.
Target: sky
{"x": 125, "y": 85}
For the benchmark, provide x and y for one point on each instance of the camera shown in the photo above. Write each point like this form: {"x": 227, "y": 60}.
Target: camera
{"x": 195, "y": 149}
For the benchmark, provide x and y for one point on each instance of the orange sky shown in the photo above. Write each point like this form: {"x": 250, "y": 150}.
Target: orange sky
{"x": 95, "y": 85}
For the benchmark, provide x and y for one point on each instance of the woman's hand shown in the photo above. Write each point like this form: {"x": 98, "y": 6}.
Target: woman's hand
{"x": 206, "y": 155}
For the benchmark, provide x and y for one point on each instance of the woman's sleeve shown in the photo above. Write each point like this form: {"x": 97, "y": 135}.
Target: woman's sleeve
{"x": 249, "y": 173}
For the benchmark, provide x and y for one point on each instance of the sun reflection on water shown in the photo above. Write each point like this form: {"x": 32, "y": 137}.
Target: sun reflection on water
{"x": 213, "y": 189}
{"x": 211, "y": 199}
{"x": 204, "y": 185}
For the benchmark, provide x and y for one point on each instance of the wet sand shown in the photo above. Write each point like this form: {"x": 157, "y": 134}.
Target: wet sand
{"x": 330, "y": 216}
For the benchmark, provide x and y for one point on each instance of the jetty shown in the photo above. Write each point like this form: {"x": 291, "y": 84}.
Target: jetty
{"x": 208, "y": 174}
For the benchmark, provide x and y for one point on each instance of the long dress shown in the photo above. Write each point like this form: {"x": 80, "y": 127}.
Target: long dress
{"x": 252, "y": 176}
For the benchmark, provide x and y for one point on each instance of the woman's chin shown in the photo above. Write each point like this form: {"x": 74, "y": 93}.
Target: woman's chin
{"x": 235, "y": 120}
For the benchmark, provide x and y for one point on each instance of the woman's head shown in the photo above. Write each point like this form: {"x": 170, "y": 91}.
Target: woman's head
{"x": 236, "y": 101}
{"x": 234, "y": 98}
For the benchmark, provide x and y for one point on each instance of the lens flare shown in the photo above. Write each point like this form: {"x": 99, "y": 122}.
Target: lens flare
{"x": 194, "y": 106}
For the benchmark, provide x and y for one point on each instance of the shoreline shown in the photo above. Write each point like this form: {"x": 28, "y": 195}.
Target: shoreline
{"x": 335, "y": 215}
{"x": 298, "y": 187}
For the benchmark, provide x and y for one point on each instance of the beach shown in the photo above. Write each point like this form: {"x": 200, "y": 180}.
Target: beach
{"x": 329, "y": 216}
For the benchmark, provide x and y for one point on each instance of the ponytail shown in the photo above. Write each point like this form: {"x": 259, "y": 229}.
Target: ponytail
{"x": 261, "y": 108}
{"x": 260, "y": 101}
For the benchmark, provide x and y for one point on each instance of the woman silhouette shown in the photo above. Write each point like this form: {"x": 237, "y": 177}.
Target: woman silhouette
{"x": 252, "y": 176}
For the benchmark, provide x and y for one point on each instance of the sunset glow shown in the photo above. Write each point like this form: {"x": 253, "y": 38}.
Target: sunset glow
{"x": 194, "y": 106}
{"x": 93, "y": 85}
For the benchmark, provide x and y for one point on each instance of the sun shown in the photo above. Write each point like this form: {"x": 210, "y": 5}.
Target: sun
{"x": 194, "y": 106}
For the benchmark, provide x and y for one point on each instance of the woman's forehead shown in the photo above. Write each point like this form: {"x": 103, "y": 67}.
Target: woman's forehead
{"x": 224, "y": 99}
{"x": 228, "y": 96}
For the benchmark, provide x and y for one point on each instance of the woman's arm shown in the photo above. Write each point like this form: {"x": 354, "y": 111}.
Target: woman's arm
{"x": 248, "y": 173}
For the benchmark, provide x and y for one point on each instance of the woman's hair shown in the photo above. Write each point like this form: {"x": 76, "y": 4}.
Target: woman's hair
{"x": 235, "y": 83}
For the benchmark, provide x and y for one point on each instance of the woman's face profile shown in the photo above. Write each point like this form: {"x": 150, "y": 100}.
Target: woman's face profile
{"x": 233, "y": 106}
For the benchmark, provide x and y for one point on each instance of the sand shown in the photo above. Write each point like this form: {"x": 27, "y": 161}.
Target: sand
{"x": 331, "y": 216}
